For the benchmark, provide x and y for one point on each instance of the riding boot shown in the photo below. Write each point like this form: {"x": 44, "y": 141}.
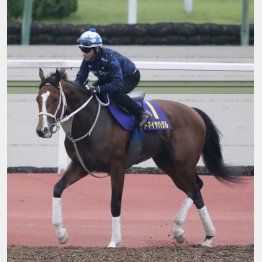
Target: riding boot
{"x": 143, "y": 117}
{"x": 140, "y": 114}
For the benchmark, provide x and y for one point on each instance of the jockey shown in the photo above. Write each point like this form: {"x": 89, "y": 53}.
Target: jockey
{"x": 116, "y": 74}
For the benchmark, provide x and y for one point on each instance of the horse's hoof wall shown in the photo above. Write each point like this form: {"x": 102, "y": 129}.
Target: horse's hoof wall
{"x": 113, "y": 244}
{"x": 63, "y": 239}
{"x": 208, "y": 242}
{"x": 181, "y": 238}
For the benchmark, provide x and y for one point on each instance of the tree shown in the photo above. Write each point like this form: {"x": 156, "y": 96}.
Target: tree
{"x": 41, "y": 9}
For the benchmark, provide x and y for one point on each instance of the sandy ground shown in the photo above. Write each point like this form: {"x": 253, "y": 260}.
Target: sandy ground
{"x": 161, "y": 254}
{"x": 149, "y": 205}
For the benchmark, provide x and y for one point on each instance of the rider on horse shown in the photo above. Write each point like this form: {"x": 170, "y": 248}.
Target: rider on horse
{"x": 116, "y": 74}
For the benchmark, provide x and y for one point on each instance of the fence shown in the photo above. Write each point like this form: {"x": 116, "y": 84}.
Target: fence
{"x": 246, "y": 67}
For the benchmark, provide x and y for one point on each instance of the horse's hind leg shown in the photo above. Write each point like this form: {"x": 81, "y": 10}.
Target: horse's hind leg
{"x": 196, "y": 198}
{"x": 165, "y": 162}
{"x": 73, "y": 173}
{"x": 185, "y": 178}
{"x": 203, "y": 212}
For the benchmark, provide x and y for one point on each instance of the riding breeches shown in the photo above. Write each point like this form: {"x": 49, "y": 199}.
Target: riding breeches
{"x": 120, "y": 96}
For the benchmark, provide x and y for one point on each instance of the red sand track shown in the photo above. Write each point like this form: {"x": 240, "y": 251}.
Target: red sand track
{"x": 149, "y": 205}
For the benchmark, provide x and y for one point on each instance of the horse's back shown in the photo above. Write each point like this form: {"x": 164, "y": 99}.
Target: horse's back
{"x": 189, "y": 130}
{"x": 180, "y": 114}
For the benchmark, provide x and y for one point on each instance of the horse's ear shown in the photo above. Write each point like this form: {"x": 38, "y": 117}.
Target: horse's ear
{"x": 62, "y": 73}
{"x": 41, "y": 74}
{"x": 57, "y": 74}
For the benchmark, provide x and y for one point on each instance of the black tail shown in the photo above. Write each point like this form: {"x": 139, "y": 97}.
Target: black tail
{"x": 212, "y": 154}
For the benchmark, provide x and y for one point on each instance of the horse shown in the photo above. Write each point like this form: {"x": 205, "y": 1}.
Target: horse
{"x": 95, "y": 142}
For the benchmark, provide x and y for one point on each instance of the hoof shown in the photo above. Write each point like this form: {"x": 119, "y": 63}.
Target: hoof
{"x": 208, "y": 242}
{"x": 179, "y": 234}
{"x": 63, "y": 237}
{"x": 113, "y": 244}
{"x": 180, "y": 238}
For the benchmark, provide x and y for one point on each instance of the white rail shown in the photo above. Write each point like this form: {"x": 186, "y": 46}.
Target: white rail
{"x": 193, "y": 66}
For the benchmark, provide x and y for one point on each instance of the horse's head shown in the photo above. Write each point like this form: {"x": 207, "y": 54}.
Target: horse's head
{"x": 51, "y": 102}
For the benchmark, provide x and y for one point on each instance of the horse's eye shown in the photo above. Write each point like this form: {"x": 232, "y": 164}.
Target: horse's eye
{"x": 55, "y": 99}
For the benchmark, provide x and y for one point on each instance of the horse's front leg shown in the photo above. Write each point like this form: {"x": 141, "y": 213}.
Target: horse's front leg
{"x": 117, "y": 184}
{"x": 72, "y": 174}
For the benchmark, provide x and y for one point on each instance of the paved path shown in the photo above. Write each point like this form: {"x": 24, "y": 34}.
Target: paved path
{"x": 146, "y": 221}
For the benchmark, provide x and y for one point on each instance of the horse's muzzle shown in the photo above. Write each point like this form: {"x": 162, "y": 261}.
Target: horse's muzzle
{"x": 45, "y": 133}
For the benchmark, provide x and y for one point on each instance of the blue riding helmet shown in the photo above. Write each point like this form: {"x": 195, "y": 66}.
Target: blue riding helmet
{"x": 90, "y": 38}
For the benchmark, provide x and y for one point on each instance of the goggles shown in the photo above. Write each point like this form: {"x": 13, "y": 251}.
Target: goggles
{"x": 84, "y": 42}
{"x": 85, "y": 49}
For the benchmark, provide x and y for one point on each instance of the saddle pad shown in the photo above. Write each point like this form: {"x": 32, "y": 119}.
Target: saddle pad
{"x": 158, "y": 121}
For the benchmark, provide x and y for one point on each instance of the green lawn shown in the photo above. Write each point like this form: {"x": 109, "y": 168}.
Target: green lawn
{"x": 101, "y": 12}
{"x": 157, "y": 87}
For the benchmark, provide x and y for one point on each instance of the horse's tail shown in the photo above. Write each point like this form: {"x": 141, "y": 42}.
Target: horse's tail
{"x": 212, "y": 154}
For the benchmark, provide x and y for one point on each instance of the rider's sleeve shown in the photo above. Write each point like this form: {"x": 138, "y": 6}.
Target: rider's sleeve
{"x": 82, "y": 74}
{"x": 116, "y": 77}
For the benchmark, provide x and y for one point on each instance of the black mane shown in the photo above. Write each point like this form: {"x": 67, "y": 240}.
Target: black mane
{"x": 53, "y": 80}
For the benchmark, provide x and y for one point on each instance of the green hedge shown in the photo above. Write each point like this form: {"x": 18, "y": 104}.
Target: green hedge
{"x": 42, "y": 9}
{"x": 135, "y": 34}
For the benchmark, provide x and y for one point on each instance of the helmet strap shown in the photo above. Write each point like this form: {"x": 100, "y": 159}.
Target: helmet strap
{"x": 96, "y": 49}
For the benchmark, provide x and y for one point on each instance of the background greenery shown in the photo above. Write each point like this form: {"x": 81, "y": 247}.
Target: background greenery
{"x": 42, "y": 9}
{"x": 102, "y": 12}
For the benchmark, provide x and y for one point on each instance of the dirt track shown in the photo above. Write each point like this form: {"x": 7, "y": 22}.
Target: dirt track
{"x": 146, "y": 221}
{"x": 181, "y": 253}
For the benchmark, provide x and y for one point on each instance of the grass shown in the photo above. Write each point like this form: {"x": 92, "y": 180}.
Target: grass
{"x": 102, "y": 12}
{"x": 157, "y": 87}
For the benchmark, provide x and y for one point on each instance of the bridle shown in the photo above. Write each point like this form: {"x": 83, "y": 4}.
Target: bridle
{"x": 62, "y": 102}
{"x": 63, "y": 119}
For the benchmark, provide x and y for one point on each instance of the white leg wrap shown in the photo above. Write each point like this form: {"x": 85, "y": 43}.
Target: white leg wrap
{"x": 207, "y": 222}
{"x": 57, "y": 211}
{"x": 116, "y": 232}
{"x": 57, "y": 220}
{"x": 181, "y": 214}
{"x": 180, "y": 219}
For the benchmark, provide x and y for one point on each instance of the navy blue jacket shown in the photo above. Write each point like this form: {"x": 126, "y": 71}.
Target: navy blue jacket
{"x": 109, "y": 67}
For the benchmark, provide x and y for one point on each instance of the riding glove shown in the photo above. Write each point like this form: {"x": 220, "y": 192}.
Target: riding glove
{"x": 94, "y": 90}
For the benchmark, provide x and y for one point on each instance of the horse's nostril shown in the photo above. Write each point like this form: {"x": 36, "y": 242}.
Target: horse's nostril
{"x": 42, "y": 132}
{"x": 45, "y": 130}
{"x": 38, "y": 131}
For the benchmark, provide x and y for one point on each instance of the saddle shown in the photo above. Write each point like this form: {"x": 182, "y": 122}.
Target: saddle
{"x": 157, "y": 122}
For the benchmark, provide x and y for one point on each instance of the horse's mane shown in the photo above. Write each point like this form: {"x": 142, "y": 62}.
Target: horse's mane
{"x": 80, "y": 88}
{"x": 52, "y": 79}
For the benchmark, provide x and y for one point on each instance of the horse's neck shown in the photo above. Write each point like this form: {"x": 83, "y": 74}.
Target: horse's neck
{"x": 75, "y": 98}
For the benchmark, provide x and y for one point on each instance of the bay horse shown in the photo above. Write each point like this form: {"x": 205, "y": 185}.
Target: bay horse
{"x": 96, "y": 142}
